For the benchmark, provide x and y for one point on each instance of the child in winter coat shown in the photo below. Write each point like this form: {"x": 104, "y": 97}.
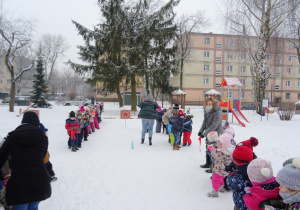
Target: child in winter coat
{"x": 238, "y": 178}
{"x": 84, "y": 130}
{"x": 92, "y": 116}
{"x": 176, "y": 128}
{"x": 79, "y": 133}
{"x": 187, "y": 130}
{"x": 88, "y": 116}
{"x": 96, "y": 123}
{"x": 159, "y": 119}
{"x": 165, "y": 127}
{"x": 289, "y": 180}
{"x": 72, "y": 126}
{"x": 171, "y": 136}
{"x": 264, "y": 188}
{"x": 222, "y": 157}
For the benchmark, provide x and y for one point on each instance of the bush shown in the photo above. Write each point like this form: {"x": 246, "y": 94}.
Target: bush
{"x": 285, "y": 111}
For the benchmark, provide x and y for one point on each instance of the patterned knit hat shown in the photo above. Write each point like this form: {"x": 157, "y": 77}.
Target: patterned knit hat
{"x": 260, "y": 170}
{"x": 176, "y": 107}
{"x": 224, "y": 139}
{"x": 289, "y": 176}
{"x": 79, "y": 114}
{"x": 243, "y": 152}
{"x": 211, "y": 136}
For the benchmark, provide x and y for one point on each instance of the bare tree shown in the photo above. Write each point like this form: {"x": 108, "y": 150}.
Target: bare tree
{"x": 258, "y": 18}
{"x": 54, "y": 47}
{"x": 15, "y": 34}
{"x": 186, "y": 26}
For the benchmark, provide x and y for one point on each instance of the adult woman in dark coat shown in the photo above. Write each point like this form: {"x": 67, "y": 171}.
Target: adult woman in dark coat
{"x": 27, "y": 146}
{"x": 212, "y": 122}
{"x": 148, "y": 114}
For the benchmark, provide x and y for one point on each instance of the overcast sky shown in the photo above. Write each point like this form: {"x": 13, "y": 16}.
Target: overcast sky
{"x": 54, "y": 17}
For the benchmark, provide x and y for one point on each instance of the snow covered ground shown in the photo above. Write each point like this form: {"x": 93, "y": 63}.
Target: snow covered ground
{"x": 108, "y": 174}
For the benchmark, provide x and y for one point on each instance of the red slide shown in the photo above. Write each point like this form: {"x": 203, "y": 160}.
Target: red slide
{"x": 234, "y": 114}
{"x": 242, "y": 115}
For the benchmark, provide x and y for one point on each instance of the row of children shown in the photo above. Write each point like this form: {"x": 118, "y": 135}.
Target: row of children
{"x": 82, "y": 123}
{"x": 250, "y": 178}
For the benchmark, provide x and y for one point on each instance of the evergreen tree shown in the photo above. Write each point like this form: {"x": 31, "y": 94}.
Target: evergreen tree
{"x": 39, "y": 87}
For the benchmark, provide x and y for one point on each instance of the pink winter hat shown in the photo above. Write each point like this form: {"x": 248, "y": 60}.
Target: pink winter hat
{"x": 211, "y": 136}
{"x": 224, "y": 139}
{"x": 260, "y": 170}
{"x": 82, "y": 109}
{"x": 159, "y": 108}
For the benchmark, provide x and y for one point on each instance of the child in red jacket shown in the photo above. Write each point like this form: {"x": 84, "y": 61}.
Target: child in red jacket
{"x": 72, "y": 126}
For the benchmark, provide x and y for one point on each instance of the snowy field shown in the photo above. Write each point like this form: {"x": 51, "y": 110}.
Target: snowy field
{"x": 106, "y": 173}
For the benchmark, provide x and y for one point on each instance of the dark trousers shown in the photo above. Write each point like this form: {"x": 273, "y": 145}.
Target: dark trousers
{"x": 79, "y": 139}
{"x": 84, "y": 133}
{"x": 72, "y": 142}
{"x": 49, "y": 168}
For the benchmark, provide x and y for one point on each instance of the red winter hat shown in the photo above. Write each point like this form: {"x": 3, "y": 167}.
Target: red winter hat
{"x": 180, "y": 113}
{"x": 243, "y": 152}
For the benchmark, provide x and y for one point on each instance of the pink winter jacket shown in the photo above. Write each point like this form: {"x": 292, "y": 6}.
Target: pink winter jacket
{"x": 258, "y": 194}
{"x": 221, "y": 159}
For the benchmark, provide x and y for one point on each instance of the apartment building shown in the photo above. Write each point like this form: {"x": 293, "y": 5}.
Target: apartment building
{"x": 216, "y": 56}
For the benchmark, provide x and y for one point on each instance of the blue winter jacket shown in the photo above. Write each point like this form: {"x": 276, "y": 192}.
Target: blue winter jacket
{"x": 177, "y": 125}
{"x": 170, "y": 126}
{"x": 237, "y": 182}
{"x": 188, "y": 125}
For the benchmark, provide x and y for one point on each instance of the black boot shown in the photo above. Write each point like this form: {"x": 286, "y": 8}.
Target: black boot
{"x": 150, "y": 141}
{"x": 208, "y": 170}
{"x": 208, "y": 162}
{"x": 142, "y": 141}
{"x": 73, "y": 149}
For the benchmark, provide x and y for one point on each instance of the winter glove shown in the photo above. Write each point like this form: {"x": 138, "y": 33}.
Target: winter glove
{"x": 229, "y": 168}
{"x": 264, "y": 203}
{"x": 210, "y": 148}
{"x": 202, "y": 136}
{"x": 247, "y": 190}
{"x": 199, "y": 133}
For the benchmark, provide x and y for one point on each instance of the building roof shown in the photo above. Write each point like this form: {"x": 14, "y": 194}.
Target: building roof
{"x": 178, "y": 92}
{"x": 212, "y": 92}
{"x": 231, "y": 82}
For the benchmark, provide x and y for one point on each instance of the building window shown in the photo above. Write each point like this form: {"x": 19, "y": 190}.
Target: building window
{"x": 218, "y": 72}
{"x": 206, "y": 67}
{"x": 206, "y": 80}
{"x": 290, "y": 58}
{"x": 219, "y": 59}
{"x": 243, "y": 81}
{"x": 219, "y": 46}
{"x": 218, "y": 85}
{"x": 290, "y": 46}
{"x": 279, "y": 49}
{"x": 255, "y": 43}
{"x": 267, "y": 95}
{"x": 229, "y": 94}
{"x": 298, "y": 71}
{"x": 288, "y": 83}
{"x": 287, "y": 96}
{"x": 267, "y": 70}
{"x": 253, "y": 95}
{"x": 278, "y": 62}
{"x": 289, "y": 71}
{"x": 254, "y": 69}
{"x": 268, "y": 83}
{"x": 242, "y": 94}
{"x": 298, "y": 95}
{"x": 206, "y": 54}
{"x": 229, "y": 68}
{"x": 207, "y": 40}
{"x": 299, "y": 83}
{"x": 268, "y": 57}
{"x": 243, "y": 69}
{"x": 230, "y": 55}
{"x": 243, "y": 56}
{"x": 277, "y": 87}
{"x": 8, "y": 81}
{"x": 230, "y": 42}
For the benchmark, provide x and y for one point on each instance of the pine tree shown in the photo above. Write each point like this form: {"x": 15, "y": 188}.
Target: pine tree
{"x": 39, "y": 87}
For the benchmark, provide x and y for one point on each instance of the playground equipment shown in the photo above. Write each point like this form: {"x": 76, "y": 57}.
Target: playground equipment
{"x": 232, "y": 105}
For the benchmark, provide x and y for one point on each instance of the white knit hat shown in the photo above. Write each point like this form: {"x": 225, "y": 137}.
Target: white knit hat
{"x": 211, "y": 136}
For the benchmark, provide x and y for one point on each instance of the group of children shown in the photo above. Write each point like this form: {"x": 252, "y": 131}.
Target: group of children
{"x": 236, "y": 168}
{"x": 81, "y": 124}
{"x": 179, "y": 124}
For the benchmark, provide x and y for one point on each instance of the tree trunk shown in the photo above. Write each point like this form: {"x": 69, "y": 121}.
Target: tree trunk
{"x": 12, "y": 96}
{"x": 133, "y": 92}
{"x": 120, "y": 99}
{"x": 181, "y": 80}
{"x": 162, "y": 99}
{"x": 147, "y": 83}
